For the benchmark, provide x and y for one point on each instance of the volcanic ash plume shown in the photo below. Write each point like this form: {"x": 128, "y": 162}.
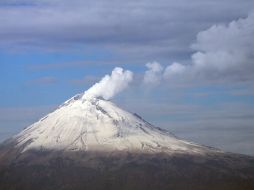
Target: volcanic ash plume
{"x": 110, "y": 85}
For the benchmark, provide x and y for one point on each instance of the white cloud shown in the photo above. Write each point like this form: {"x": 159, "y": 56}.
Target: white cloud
{"x": 154, "y": 73}
{"x": 173, "y": 70}
{"x": 223, "y": 52}
{"x": 226, "y": 50}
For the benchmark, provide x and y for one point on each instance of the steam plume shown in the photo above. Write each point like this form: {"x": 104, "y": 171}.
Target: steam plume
{"x": 110, "y": 85}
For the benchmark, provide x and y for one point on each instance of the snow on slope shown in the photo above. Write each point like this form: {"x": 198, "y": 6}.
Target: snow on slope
{"x": 93, "y": 124}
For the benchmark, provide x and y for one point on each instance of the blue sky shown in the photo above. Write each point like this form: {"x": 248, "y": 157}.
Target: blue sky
{"x": 52, "y": 50}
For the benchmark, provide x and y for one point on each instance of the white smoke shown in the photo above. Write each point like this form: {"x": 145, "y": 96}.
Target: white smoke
{"x": 110, "y": 85}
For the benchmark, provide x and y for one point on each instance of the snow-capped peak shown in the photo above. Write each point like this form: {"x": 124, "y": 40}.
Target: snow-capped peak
{"x": 85, "y": 123}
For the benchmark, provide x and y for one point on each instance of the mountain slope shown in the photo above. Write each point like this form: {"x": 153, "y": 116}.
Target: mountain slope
{"x": 90, "y": 143}
{"x": 85, "y": 123}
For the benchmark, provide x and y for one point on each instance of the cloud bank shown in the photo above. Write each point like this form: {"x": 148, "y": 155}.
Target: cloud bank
{"x": 110, "y": 85}
{"x": 138, "y": 30}
{"x": 224, "y": 51}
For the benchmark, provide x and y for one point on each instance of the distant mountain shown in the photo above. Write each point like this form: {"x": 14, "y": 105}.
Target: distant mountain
{"x": 90, "y": 143}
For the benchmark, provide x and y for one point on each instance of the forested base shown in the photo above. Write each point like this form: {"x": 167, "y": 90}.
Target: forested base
{"x": 125, "y": 171}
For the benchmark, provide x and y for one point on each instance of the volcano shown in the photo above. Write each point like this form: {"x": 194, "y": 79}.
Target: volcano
{"x": 93, "y": 124}
{"x": 90, "y": 143}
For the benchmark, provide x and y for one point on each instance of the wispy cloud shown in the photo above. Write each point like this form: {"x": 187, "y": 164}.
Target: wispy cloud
{"x": 43, "y": 81}
{"x": 142, "y": 29}
{"x": 154, "y": 74}
{"x": 14, "y": 119}
{"x": 228, "y": 126}
{"x": 87, "y": 80}
{"x": 75, "y": 64}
